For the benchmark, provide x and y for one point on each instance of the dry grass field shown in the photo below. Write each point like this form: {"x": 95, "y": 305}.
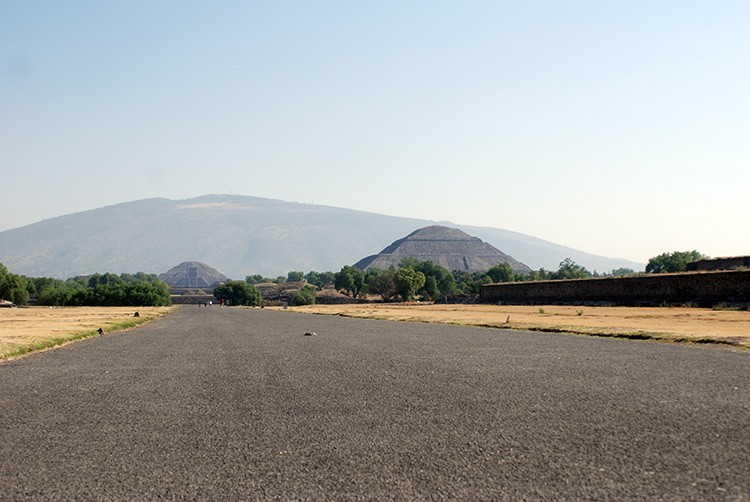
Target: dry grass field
{"x": 24, "y": 330}
{"x": 730, "y": 327}
{"x": 29, "y": 329}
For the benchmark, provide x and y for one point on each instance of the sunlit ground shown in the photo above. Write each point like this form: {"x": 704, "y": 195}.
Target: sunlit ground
{"x": 678, "y": 324}
{"x": 36, "y": 328}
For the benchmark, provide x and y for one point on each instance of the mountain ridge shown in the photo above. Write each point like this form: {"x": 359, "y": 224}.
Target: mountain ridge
{"x": 238, "y": 235}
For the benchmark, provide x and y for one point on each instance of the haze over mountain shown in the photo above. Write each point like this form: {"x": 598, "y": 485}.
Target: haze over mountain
{"x": 239, "y": 236}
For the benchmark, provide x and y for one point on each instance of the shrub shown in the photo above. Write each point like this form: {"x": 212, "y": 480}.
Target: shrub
{"x": 305, "y": 297}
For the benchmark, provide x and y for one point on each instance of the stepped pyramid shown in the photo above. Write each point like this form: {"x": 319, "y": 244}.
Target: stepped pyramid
{"x": 192, "y": 274}
{"x": 448, "y": 247}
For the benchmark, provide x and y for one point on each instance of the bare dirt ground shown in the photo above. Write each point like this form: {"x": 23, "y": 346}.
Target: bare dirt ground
{"x": 24, "y": 330}
{"x": 674, "y": 324}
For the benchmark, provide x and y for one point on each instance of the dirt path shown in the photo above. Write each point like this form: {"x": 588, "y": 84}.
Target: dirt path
{"x": 675, "y": 324}
{"x": 23, "y": 330}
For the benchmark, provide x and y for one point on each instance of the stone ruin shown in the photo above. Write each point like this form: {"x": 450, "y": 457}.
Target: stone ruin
{"x": 192, "y": 275}
{"x": 726, "y": 263}
{"x": 448, "y": 247}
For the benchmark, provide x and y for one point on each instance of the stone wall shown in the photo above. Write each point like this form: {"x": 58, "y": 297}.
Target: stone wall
{"x": 732, "y": 263}
{"x": 192, "y": 299}
{"x": 704, "y": 289}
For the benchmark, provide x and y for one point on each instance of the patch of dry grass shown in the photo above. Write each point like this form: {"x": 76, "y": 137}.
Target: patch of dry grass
{"x": 24, "y": 330}
{"x": 674, "y": 324}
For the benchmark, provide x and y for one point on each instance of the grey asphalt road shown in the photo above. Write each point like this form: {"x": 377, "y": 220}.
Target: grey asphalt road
{"x": 229, "y": 404}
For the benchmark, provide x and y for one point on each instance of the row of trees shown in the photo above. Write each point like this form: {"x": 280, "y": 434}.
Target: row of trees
{"x": 414, "y": 278}
{"x": 92, "y": 290}
{"x": 246, "y": 294}
{"x": 430, "y": 281}
{"x": 673, "y": 262}
{"x": 320, "y": 280}
{"x": 238, "y": 293}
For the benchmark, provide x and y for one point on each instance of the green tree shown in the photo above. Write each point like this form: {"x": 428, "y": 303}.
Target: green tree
{"x": 320, "y": 279}
{"x": 409, "y": 262}
{"x": 313, "y": 278}
{"x": 103, "y": 279}
{"x": 13, "y": 287}
{"x": 140, "y": 277}
{"x": 502, "y": 273}
{"x": 438, "y": 280}
{"x": 408, "y": 281}
{"x": 571, "y": 270}
{"x": 80, "y": 295}
{"x": 380, "y": 282}
{"x": 19, "y": 296}
{"x": 110, "y": 294}
{"x": 468, "y": 283}
{"x": 430, "y": 290}
{"x": 326, "y": 279}
{"x": 80, "y": 280}
{"x": 537, "y": 275}
{"x": 675, "y": 261}
{"x": 138, "y": 289}
{"x": 305, "y": 297}
{"x": 295, "y": 277}
{"x": 350, "y": 281}
{"x": 622, "y": 271}
{"x": 480, "y": 279}
{"x": 238, "y": 293}
{"x": 142, "y": 293}
{"x": 57, "y": 295}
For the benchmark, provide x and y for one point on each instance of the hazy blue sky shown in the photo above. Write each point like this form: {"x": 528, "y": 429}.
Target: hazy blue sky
{"x": 620, "y": 128}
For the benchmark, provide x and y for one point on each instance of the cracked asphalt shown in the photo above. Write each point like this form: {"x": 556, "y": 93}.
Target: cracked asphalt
{"x": 228, "y": 404}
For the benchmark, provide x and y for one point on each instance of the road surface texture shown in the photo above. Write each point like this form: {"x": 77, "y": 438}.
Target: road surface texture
{"x": 227, "y": 404}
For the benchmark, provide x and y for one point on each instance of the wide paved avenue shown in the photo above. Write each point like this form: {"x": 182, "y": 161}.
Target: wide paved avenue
{"x": 217, "y": 404}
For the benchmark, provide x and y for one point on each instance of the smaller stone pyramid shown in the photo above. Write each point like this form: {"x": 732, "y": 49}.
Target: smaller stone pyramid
{"x": 192, "y": 274}
{"x": 448, "y": 247}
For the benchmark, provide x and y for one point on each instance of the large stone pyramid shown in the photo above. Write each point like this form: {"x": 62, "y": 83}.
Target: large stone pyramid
{"x": 192, "y": 274}
{"x": 448, "y": 247}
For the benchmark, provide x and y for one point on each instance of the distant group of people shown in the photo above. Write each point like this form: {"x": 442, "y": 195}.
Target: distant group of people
{"x": 210, "y": 303}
